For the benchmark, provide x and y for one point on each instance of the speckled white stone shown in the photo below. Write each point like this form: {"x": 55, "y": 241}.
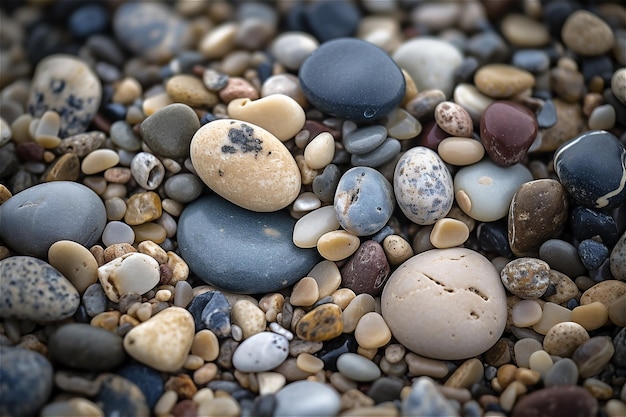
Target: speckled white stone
{"x": 261, "y": 352}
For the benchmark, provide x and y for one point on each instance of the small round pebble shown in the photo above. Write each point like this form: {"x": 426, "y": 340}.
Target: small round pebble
{"x": 502, "y": 81}
{"x": 563, "y": 338}
{"x": 460, "y": 151}
{"x": 357, "y": 367}
{"x": 169, "y": 130}
{"x": 563, "y": 372}
{"x": 261, "y": 352}
{"x": 527, "y": 278}
{"x": 183, "y": 188}
{"x": 454, "y": 119}
{"x": 586, "y": 34}
{"x": 75, "y": 262}
{"x": 307, "y": 398}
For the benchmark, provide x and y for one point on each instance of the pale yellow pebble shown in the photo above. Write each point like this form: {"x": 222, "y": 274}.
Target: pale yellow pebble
{"x": 172, "y": 207}
{"x": 99, "y": 161}
{"x": 272, "y": 304}
{"x": 203, "y": 394}
{"x": 205, "y": 345}
{"x": 448, "y": 233}
{"x": 305, "y": 292}
{"x": 47, "y": 131}
{"x": 320, "y": 151}
{"x": 75, "y": 262}
{"x": 190, "y": 90}
{"x": 369, "y": 353}
{"x": 358, "y": 307}
{"x": 19, "y": 129}
{"x": 126, "y": 91}
{"x": 506, "y": 374}
{"x": 328, "y": 277}
{"x": 156, "y": 102}
{"x": 309, "y": 363}
{"x": 218, "y": 41}
{"x": 524, "y": 32}
{"x": 510, "y": 394}
{"x": 401, "y": 125}
{"x": 467, "y": 374}
{"x": 166, "y": 403}
{"x": 397, "y": 249}
{"x": 337, "y": 245}
{"x": 615, "y": 408}
{"x": 541, "y": 362}
{"x": 460, "y": 151}
{"x": 551, "y": 315}
{"x": 249, "y": 317}
{"x": 153, "y": 250}
{"x": 220, "y": 406}
{"x": 178, "y": 266}
{"x": 617, "y": 311}
{"x": 279, "y": 114}
{"x": 563, "y": 338}
{"x": 591, "y": 316}
{"x": 605, "y": 292}
{"x": 565, "y": 288}
{"x": 527, "y": 376}
{"x": 270, "y": 382}
{"x": 371, "y": 331}
{"x": 525, "y": 313}
{"x": 144, "y": 312}
{"x": 502, "y": 80}
{"x": 163, "y": 295}
{"x": 107, "y": 320}
{"x": 309, "y": 228}
{"x": 74, "y": 407}
{"x": 421, "y": 366}
{"x": 150, "y": 231}
{"x": 193, "y": 362}
{"x": 307, "y": 174}
{"x": 342, "y": 297}
{"x": 205, "y": 374}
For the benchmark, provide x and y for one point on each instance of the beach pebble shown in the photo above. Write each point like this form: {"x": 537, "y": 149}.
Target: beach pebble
{"x": 147, "y": 170}
{"x": 292, "y": 48}
{"x": 602, "y": 118}
{"x": 320, "y": 151}
{"x": 502, "y": 81}
{"x": 363, "y": 201}
{"x": 618, "y": 259}
{"x": 423, "y": 186}
{"x": 563, "y": 372}
{"x": 592, "y": 253}
{"x": 367, "y": 270}
{"x": 190, "y": 90}
{"x": 507, "y": 130}
{"x": 618, "y": 84}
{"x": 581, "y": 162}
{"x": 379, "y": 156}
{"x": 357, "y": 368}
{"x": 425, "y": 399}
{"x": 400, "y": 124}
{"x": 472, "y": 100}
{"x": 310, "y": 227}
{"x": 562, "y": 256}
{"x": 245, "y": 164}
{"x": 475, "y": 318}
{"x": 169, "y": 130}
{"x": 365, "y": 139}
{"x": 120, "y": 396}
{"x": 430, "y": 62}
{"x": 454, "y": 119}
{"x": 52, "y": 211}
{"x": 74, "y": 262}
{"x": 320, "y": 324}
{"x": 261, "y": 352}
{"x": 266, "y": 259}
{"x": 27, "y": 381}
{"x": 586, "y": 34}
{"x": 524, "y": 31}
{"x": 66, "y": 85}
{"x": 460, "y": 151}
{"x": 117, "y": 232}
{"x": 371, "y": 331}
{"x": 527, "y": 278}
{"x": 306, "y": 291}
{"x": 132, "y": 272}
{"x": 307, "y": 398}
{"x": 337, "y": 245}
{"x": 163, "y": 341}
{"x": 448, "y": 233}
{"x": 563, "y": 338}
{"x": 593, "y": 356}
{"x": 369, "y": 88}
{"x": 23, "y": 276}
{"x": 73, "y": 407}
{"x": 212, "y": 311}
{"x": 525, "y": 313}
{"x": 573, "y": 401}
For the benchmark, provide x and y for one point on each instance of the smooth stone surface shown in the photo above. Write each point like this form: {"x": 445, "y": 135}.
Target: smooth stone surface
{"x": 562, "y": 256}
{"x": 74, "y": 262}
{"x": 265, "y": 258}
{"x": 51, "y": 211}
{"x": 573, "y": 401}
{"x": 379, "y": 156}
{"x": 23, "y": 276}
{"x": 292, "y": 48}
{"x": 307, "y": 398}
{"x": 324, "y": 184}
{"x": 475, "y": 318}
{"x": 367, "y": 270}
{"x": 365, "y": 139}
{"x": 563, "y": 338}
{"x": 130, "y": 273}
{"x": 261, "y": 352}
{"x": 502, "y": 81}
{"x": 119, "y": 396}
{"x": 320, "y": 324}
{"x": 183, "y": 188}
{"x": 357, "y": 368}
{"x": 245, "y": 164}
{"x": 586, "y": 34}
{"x": 563, "y": 372}
{"x": 310, "y": 227}
{"x": 425, "y": 399}
{"x": 484, "y": 190}
{"x": 168, "y": 131}
{"x": 423, "y": 186}
{"x": 454, "y": 119}
{"x": 593, "y": 356}
{"x": 27, "y": 381}
{"x": 460, "y": 151}
{"x": 368, "y": 89}
{"x": 363, "y": 201}
{"x": 582, "y": 161}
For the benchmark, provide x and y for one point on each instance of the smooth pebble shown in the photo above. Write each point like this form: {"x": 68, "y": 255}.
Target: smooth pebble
{"x": 261, "y": 352}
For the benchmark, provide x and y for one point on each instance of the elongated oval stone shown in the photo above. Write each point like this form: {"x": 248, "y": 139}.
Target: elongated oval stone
{"x": 246, "y": 165}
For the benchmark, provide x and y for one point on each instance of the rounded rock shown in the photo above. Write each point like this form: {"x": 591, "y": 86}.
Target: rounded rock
{"x": 460, "y": 151}
{"x": 320, "y": 324}
{"x": 527, "y": 278}
{"x": 574, "y": 401}
{"x": 367, "y": 270}
{"x": 190, "y": 90}
{"x": 587, "y": 34}
{"x": 130, "y": 273}
{"x": 74, "y": 262}
{"x": 563, "y": 338}
{"x": 183, "y": 188}
{"x": 454, "y": 119}
{"x": 502, "y": 81}
{"x": 261, "y": 352}
{"x": 307, "y": 398}
{"x": 593, "y": 356}
{"x": 357, "y": 368}
{"x": 169, "y": 130}
{"x": 292, "y": 48}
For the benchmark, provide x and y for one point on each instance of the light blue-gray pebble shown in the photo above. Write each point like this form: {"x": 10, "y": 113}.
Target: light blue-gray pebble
{"x": 382, "y": 154}
{"x": 423, "y": 186}
{"x": 426, "y": 400}
{"x": 357, "y": 368}
{"x": 183, "y": 188}
{"x": 95, "y": 300}
{"x": 117, "y": 232}
{"x": 532, "y": 60}
{"x": 261, "y": 352}
{"x": 364, "y": 201}
{"x": 563, "y": 372}
{"x": 325, "y": 184}
{"x": 307, "y": 398}
{"x": 365, "y": 139}
{"x": 122, "y": 135}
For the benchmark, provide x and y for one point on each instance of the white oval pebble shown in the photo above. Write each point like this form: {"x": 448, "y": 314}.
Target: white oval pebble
{"x": 132, "y": 272}
{"x": 307, "y": 398}
{"x": 357, "y": 368}
{"x": 99, "y": 160}
{"x": 310, "y": 227}
{"x": 525, "y": 313}
{"x": 261, "y": 352}
{"x": 320, "y": 151}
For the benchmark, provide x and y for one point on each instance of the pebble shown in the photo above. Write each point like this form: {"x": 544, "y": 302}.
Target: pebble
{"x": 605, "y": 292}
{"x": 310, "y": 227}
{"x": 367, "y": 269}
{"x": 27, "y": 381}
{"x": 524, "y": 31}
{"x": 524, "y": 349}
{"x": 363, "y": 201}
{"x": 74, "y": 262}
{"x": 583, "y": 160}
{"x": 291, "y": 49}
{"x": 163, "y": 341}
{"x": 484, "y": 190}
{"x": 370, "y": 88}
{"x": 22, "y": 276}
{"x": 527, "y": 278}
{"x": 502, "y": 81}
{"x": 454, "y": 119}
{"x": 28, "y": 213}
{"x": 168, "y": 131}
{"x": 307, "y": 398}
{"x": 85, "y": 347}
{"x": 546, "y": 116}
{"x": 117, "y": 232}
{"x": 371, "y": 331}
{"x": 225, "y": 153}
{"x": 328, "y": 21}
{"x": 81, "y": 143}
{"x": 573, "y": 401}
{"x": 365, "y": 139}
{"x": 448, "y": 233}
{"x": 130, "y": 273}
{"x": 587, "y": 34}
{"x": 564, "y": 372}
{"x": 357, "y": 368}
{"x": 593, "y": 356}
{"x": 190, "y": 90}
{"x": 183, "y": 188}
{"x": 430, "y": 62}
{"x": 525, "y": 313}
{"x": 401, "y": 125}
{"x": 425, "y": 399}
{"x": 337, "y": 245}
{"x": 476, "y": 315}
{"x": 460, "y": 151}
{"x": 618, "y": 84}
{"x": 423, "y": 105}
{"x": 507, "y": 130}
{"x": 389, "y": 149}
{"x": 472, "y": 100}
{"x": 534, "y": 61}
{"x": 249, "y": 317}
{"x": 565, "y": 289}
{"x": 592, "y": 253}
{"x": 73, "y": 407}
{"x": 119, "y": 396}
{"x": 212, "y": 311}
{"x": 552, "y": 314}
{"x": 320, "y": 324}
{"x": 261, "y": 352}
{"x": 66, "y": 85}
{"x": 602, "y": 118}
{"x": 563, "y": 338}
{"x": 266, "y": 258}
{"x": 147, "y": 170}
{"x": 320, "y": 151}
{"x": 562, "y": 256}
{"x": 423, "y": 186}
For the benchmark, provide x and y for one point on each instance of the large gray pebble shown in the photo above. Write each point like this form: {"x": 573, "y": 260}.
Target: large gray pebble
{"x": 32, "y": 220}
{"x": 169, "y": 130}
{"x": 34, "y": 290}
{"x": 307, "y": 398}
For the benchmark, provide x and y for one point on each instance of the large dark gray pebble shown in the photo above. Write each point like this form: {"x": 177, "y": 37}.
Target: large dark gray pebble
{"x": 120, "y": 397}
{"x": 169, "y": 130}
{"x": 352, "y": 79}
{"x": 52, "y": 211}
{"x": 239, "y": 250}
{"x": 587, "y": 223}
{"x": 332, "y": 19}
{"x": 26, "y": 381}
{"x": 562, "y": 256}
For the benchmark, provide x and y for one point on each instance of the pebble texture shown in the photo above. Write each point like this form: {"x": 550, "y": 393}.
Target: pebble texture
{"x": 169, "y": 130}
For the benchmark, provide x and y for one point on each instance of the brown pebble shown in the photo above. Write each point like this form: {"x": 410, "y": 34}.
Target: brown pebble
{"x": 182, "y": 384}
{"x": 586, "y": 34}
{"x": 605, "y": 292}
{"x": 570, "y": 123}
{"x": 563, "y": 338}
{"x": 116, "y": 250}
{"x": 142, "y": 208}
{"x": 65, "y": 168}
{"x": 367, "y": 270}
{"x": 320, "y": 324}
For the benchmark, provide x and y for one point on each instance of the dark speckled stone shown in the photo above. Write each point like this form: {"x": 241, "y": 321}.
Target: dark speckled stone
{"x": 367, "y": 270}
{"x": 239, "y": 250}
{"x": 148, "y": 380}
{"x": 34, "y": 290}
{"x": 211, "y": 310}
{"x": 120, "y": 397}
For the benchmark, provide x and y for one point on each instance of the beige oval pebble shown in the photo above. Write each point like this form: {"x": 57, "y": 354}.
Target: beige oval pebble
{"x": 219, "y": 41}
{"x": 328, "y": 277}
{"x": 397, "y": 249}
{"x": 305, "y": 292}
{"x": 551, "y": 315}
{"x": 310, "y": 227}
{"x": 605, "y": 292}
{"x": 190, "y": 90}
{"x": 371, "y": 331}
{"x": 270, "y": 382}
{"x": 358, "y": 307}
{"x": 156, "y": 102}
{"x": 75, "y": 262}
{"x": 454, "y": 119}
{"x": 342, "y": 297}
{"x": 99, "y": 160}
{"x": 337, "y": 245}
{"x": 206, "y": 345}
{"x": 309, "y": 363}
{"x": 525, "y": 313}
{"x": 126, "y": 91}
{"x": 47, "y": 132}
{"x": 132, "y": 272}
{"x": 79, "y": 407}
{"x": 163, "y": 341}
{"x": 502, "y": 81}
{"x": 420, "y": 366}
{"x": 320, "y": 151}
{"x": 246, "y": 165}
{"x": 540, "y": 361}
{"x": 448, "y": 233}
{"x": 460, "y": 151}
{"x": 563, "y": 338}
{"x": 279, "y": 114}
{"x": 524, "y": 32}
{"x": 470, "y": 372}
{"x": 249, "y": 317}
{"x": 587, "y": 34}
{"x": 591, "y": 316}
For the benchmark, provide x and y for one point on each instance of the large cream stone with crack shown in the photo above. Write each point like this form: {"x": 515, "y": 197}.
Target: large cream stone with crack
{"x": 245, "y": 164}
{"x": 445, "y": 304}
{"x": 162, "y": 342}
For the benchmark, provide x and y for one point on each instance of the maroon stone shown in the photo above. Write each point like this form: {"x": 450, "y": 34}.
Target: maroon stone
{"x": 507, "y": 130}
{"x": 571, "y": 401}
{"x": 367, "y": 270}
{"x": 30, "y": 152}
{"x": 431, "y": 135}
{"x": 185, "y": 408}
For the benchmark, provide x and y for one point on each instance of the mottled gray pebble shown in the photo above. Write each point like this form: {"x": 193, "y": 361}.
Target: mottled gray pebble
{"x": 117, "y": 232}
{"x": 82, "y": 143}
{"x": 169, "y": 130}
{"x": 377, "y": 157}
{"x": 563, "y": 257}
{"x": 261, "y": 352}
{"x": 325, "y": 184}
{"x": 147, "y": 170}
{"x": 593, "y": 355}
{"x": 95, "y": 300}
{"x": 183, "y": 188}
{"x": 123, "y": 136}
{"x": 592, "y": 253}
{"x": 365, "y": 139}
{"x": 532, "y": 60}
{"x": 563, "y": 372}
{"x": 211, "y": 310}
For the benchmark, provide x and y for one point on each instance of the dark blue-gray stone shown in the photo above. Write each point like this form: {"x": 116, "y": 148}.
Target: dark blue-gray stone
{"x": 119, "y": 397}
{"x": 86, "y": 347}
{"x": 592, "y": 253}
{"x": 32, "y": 220}
{"x": 365, "y": 139}
{"x": 532, "y": 60}
{"x": 493, "y": 237}
{"x": 239, "y": 250}
{"x": 587, "y": 223}
{"x": 352, "y": 79}
{"x": 211, "y": 310}
{"x": 26, "y": 380}
{"x": 95, "y": 300}
{"x": 546, "y": 116}
{"x": 328, "y": 20}
{"x": 379, "y": 156}
{"x": 364, "y": 201}
{"x": 426, "y": 400}
{"x": 385, "y": 389}
{"x": 592, "y": 168}
{"x": 88, "y": 20}
{"x": 325, "y": 184}
{"x": 148, "y": 380}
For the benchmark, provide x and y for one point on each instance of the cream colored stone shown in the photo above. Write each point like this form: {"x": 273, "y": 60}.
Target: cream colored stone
{"x": 249, "y": 317}
{"x": 563, "y": 338}
{"x": 99, "y": 161}
{"x": 190, "y": 90}
{"x": 524, "y": 32}
{"x": 502, "y": 81}
{"x": 397, "y": 249}
{"x": 310, "y": 227}
{"x": 320, "y": 151}
{"x": 371, "y": 331}
{"x": 162, "y": 342}
{"x": 206, "y": 345}
{"x": 219, "y": 41}
{"x": 245, "y": 164}
{"x": 309, "y": 363}
{"x": 47, "y": 132}
{"x": 305, "y": 292}
{"x": 552, "y": 314}
{"x": 270, "y": 382}
{"x": 342, "y": 297}
{"x": 591, "y": 316}
{"x": 605, "y": 292}
{"x": 75, "y": 262}
{"x": 467, "y": 374}
{"x": 337, "y": 245}
{"x": 131, "y": 272}
{"x": 540, "y": 361}
{"x": 156, "y": 102}
{"x": 525, "y": 313}
{"x": 153, "y": 250}
{"x": 126, "y": 91}
{"x": 358, "y": 307}
{"x": 460, "y": 151}
{"x": 327, "y": 276}
{"x": 279, "y": 114}
{"x": 448, "y": 233}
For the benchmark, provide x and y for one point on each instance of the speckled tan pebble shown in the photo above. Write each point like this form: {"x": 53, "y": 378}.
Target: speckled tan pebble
{"x": 605, "y": 292}
{"x": 563, "y": 338}
{"x": 245, "y": 164}
{"x": 587, "y": 34}
{"x": 249, "y": 317}
{"x": 75, "y": 262}
{"x": 397, "y": 249}
{"x": 320, "y": 324}
{"x": 190, "y": 90}
{"x": 454, "y": 119}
